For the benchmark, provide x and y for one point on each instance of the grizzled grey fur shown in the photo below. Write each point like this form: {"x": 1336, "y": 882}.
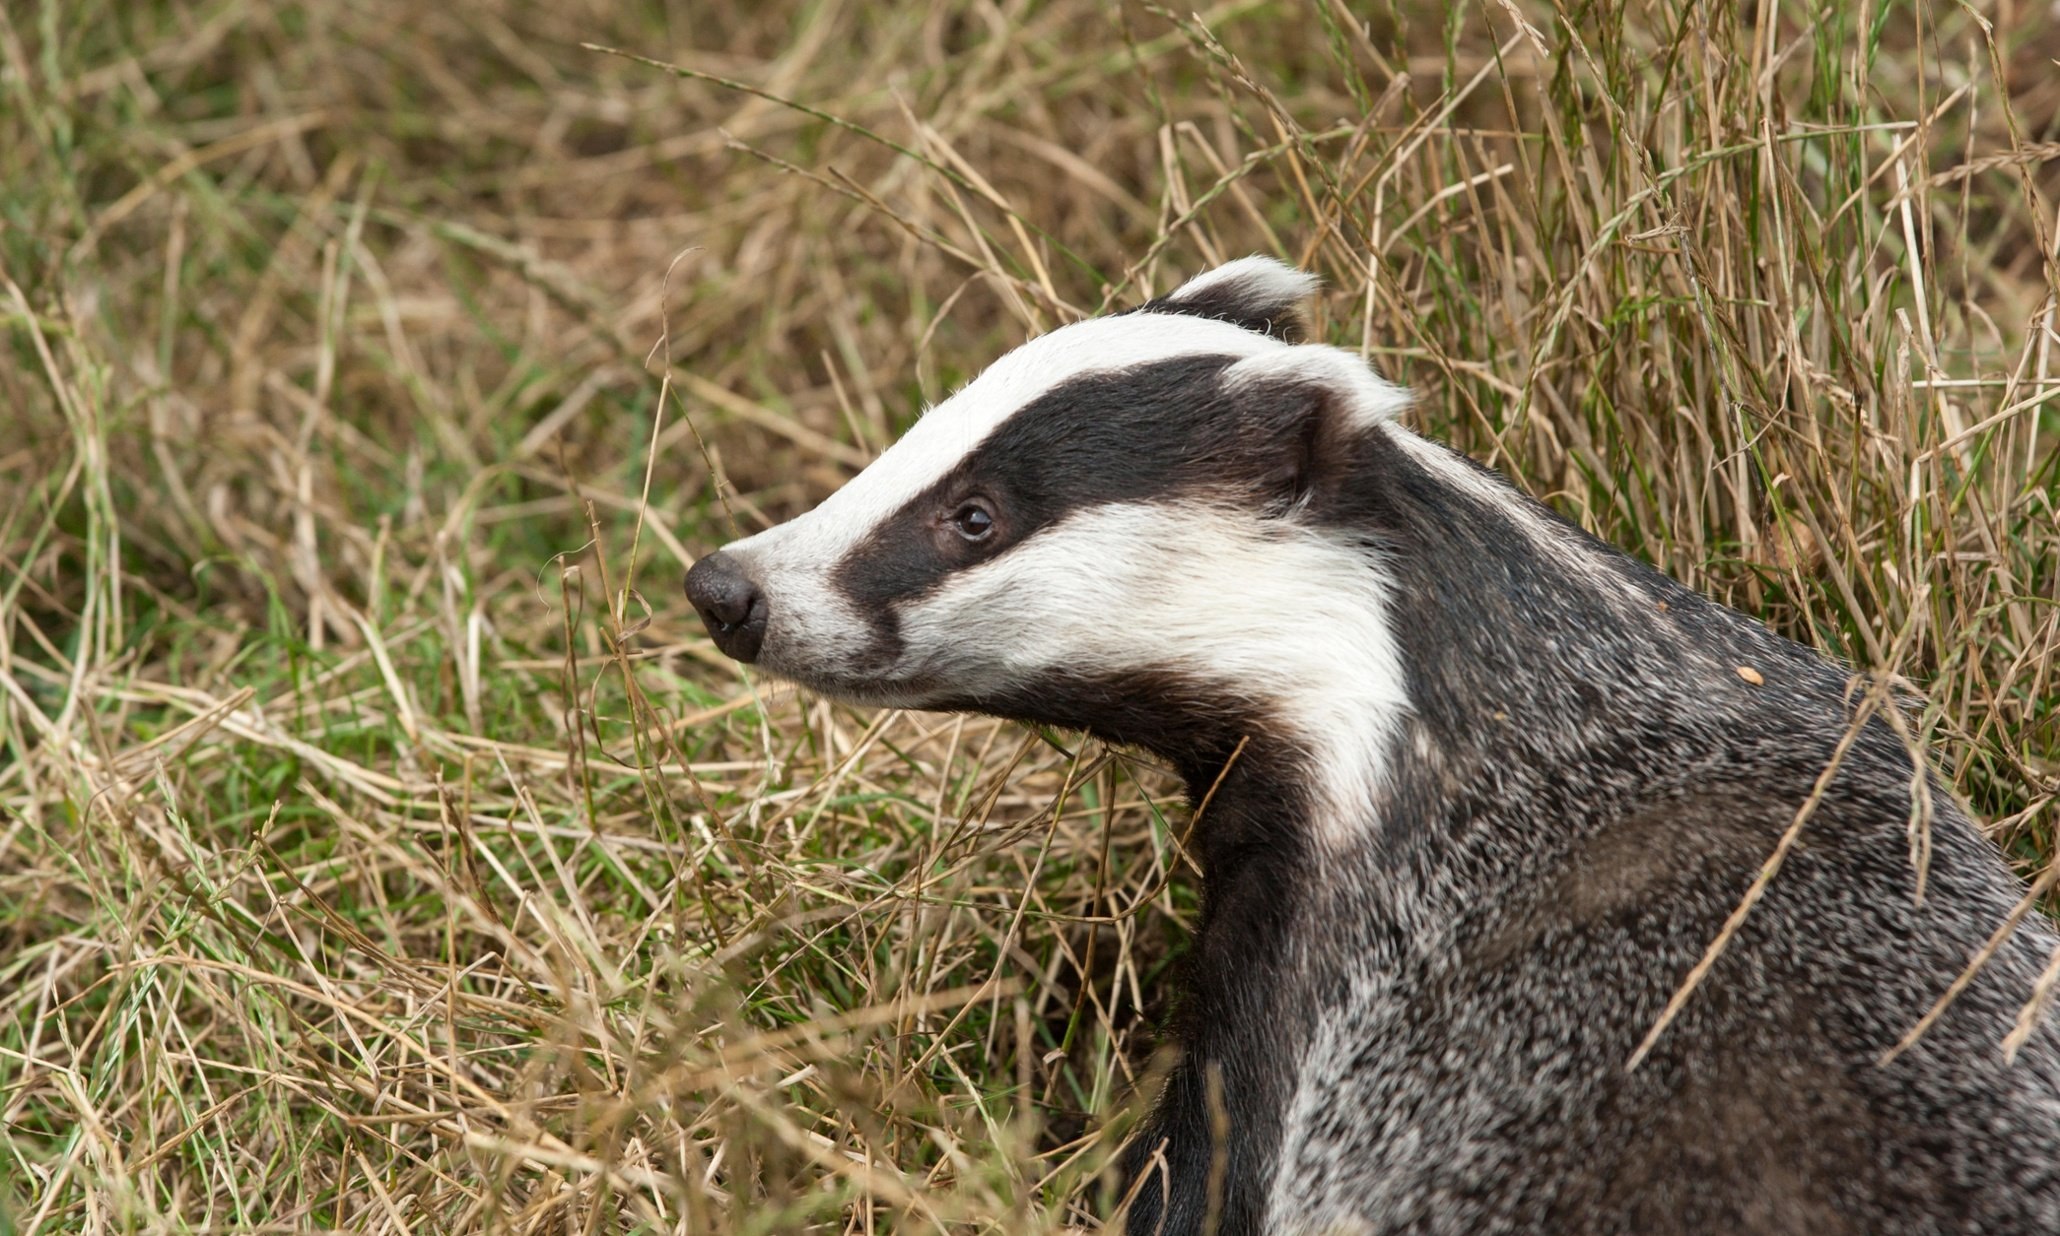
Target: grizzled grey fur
{"x": 1589, "y": 788}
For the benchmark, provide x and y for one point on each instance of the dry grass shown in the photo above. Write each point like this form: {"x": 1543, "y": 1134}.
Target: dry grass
{"x": 382, "y": 846}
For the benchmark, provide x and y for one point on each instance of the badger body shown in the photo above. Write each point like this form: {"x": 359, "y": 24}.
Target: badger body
{"x": 1480, "y": 791}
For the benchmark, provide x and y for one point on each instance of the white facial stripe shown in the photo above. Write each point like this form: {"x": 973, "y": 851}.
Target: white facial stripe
{"x": 1276, "y": 615}
{"x": 955, "y": 428}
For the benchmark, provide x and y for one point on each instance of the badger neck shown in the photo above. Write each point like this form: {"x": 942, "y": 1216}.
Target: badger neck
{"x": 1554, "y": 683}
{"x": 1239, "y": 1021}
{"x": 1464, "y": 662}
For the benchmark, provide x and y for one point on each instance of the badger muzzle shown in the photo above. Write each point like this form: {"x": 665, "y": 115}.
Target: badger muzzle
{"x": 731, "y": 606}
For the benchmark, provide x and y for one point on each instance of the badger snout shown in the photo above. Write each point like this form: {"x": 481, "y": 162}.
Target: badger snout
{"x": 730, "y": 605}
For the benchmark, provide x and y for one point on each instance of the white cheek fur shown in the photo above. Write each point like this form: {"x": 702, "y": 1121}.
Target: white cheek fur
{"x": 1278, "y": 617}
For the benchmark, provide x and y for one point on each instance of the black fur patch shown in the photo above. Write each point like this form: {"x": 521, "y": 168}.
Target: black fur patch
{"x": 1253, "y": 846}
{"x": 1228, "y": 302}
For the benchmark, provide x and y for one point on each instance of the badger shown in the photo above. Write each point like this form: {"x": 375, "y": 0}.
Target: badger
{"x": 1475, "y": 793}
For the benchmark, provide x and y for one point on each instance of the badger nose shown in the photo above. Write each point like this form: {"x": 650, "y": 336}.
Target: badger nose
{"x": 730, "y": 605}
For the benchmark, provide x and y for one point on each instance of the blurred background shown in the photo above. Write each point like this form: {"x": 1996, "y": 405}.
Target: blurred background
{"x": 383, "y": 847}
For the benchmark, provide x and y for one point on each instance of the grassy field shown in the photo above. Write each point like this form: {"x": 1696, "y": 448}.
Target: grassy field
{"x": 384, "y": 848}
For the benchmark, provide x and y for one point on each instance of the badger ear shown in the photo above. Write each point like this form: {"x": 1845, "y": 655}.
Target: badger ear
{"x": 1257, "y": 293}
{"x": 1304, "y": 406}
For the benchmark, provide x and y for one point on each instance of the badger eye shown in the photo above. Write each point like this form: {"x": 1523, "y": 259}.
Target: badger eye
{"x": 973, "y": 521}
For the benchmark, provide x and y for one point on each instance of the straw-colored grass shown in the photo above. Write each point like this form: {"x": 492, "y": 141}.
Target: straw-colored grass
{"x": 383, "y": 846}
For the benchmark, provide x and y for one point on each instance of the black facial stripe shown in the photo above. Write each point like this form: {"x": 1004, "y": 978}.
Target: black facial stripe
{"x": 1156, "y": 432}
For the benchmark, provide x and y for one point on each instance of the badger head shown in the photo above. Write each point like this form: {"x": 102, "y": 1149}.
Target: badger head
{"x": 1124, "y": 527}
